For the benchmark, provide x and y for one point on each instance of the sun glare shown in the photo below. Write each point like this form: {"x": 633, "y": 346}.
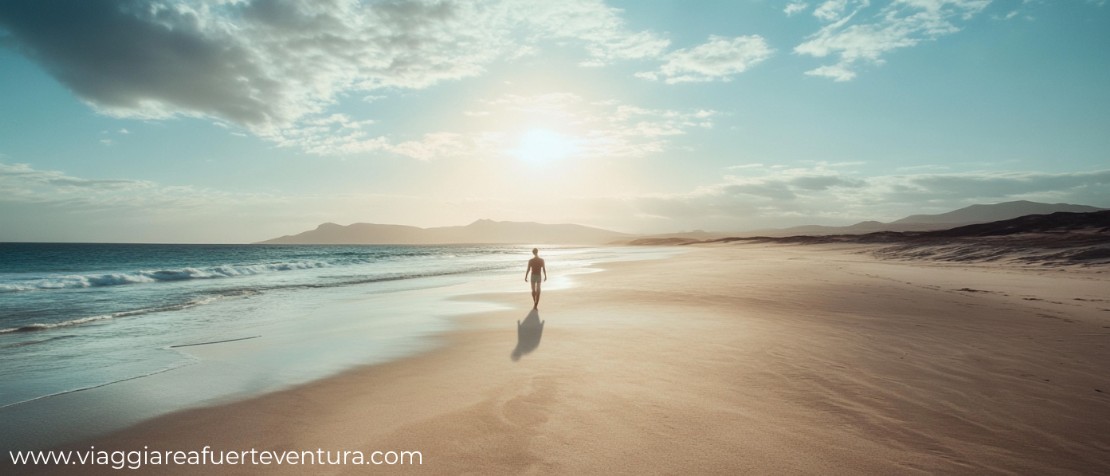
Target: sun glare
{"x": 544, "y": 146}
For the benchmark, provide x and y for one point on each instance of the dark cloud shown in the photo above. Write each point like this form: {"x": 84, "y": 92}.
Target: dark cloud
{"x": 141, "y": 56}
{"x": 261, "y": 64}
{"x": 269, "y": 64}
{"x": 787, "y": 187}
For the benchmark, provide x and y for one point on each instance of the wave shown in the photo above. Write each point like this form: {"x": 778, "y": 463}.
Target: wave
{"x": 151, "y": 276}
{"x": 41, "y": 341}
{"x": 43, "y": 327}
{"x": 226, "y": 271}
{"x": 12, "y": 288}
{"x": 134, "y": 312}
{"x": 355, "y": 280}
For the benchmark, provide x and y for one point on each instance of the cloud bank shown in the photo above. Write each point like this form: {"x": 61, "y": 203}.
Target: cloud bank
{"x": 274, "y": 66}
{"x": 277, "y": 67}
{"x": 832, "y": 194}
{"x": 754, "y": 196}
{"x": 603, "y": 129}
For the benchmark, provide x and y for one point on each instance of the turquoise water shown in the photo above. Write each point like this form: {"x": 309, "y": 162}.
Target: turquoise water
{"x": 94, "y": 337}
{"x": 75, "y": 317}
{"x": 47, "y": 286}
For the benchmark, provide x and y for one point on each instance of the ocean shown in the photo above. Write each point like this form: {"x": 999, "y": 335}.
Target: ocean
{"x": 79, "y": 317}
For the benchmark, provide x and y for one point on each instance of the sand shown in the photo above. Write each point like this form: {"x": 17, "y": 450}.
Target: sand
{"x": 728, "y": 359}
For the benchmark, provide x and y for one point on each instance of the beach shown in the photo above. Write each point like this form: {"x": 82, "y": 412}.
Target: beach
{"x": 830, "y": 237}
{"x": 723, "y": 359}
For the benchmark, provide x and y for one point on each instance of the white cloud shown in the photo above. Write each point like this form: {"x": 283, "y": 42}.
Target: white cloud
{"x": 793, "y": 8}
{"x": 751, "y": 196}
{"x": 1027, "y": 9}
{"x": 606, "y": 128}
{"x": 22, "y": 183}
{"x": 836, "y": 72}
{"x": 336, "y": 134}
{"x": 833, "y": 10}
{"x": 438, "y": 145}
{"x": 275, "y": 66}
{"x": 50, "y": 205}
{"x": 901, "y": 24}
{"x": 601, "y": 129}
{"x": 718, "y": 59}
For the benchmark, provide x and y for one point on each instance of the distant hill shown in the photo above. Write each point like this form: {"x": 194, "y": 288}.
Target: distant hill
{"x": 506, "y": 232}
{"x": 1059, "y": 238}
{"x": 680, "y": 238}
{"x": 964, "y": 216}
{"x": 996, "y": 212}
{"x": 1089, "y": 223}
{"x": 481, "y": 231}
{"x": 858, "y": 228}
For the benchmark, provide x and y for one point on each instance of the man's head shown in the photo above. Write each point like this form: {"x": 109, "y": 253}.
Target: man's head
{"x": 536, "y": 251}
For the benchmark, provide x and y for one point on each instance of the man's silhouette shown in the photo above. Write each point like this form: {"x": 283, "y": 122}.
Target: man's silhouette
{"x": 535, "y": 267}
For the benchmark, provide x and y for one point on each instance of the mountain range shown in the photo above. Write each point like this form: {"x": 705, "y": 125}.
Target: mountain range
{"x": 1053, "y": 239}
{"x": 481, "y": 231}
{"x": 964, "y": 216}
{"x": 505, "y": 232}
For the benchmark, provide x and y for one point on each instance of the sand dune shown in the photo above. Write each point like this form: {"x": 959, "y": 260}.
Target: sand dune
{"x": 728, "y": 359}
{"x": 1061, "y": 238}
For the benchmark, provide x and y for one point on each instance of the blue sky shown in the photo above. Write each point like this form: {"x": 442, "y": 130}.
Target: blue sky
{"x": 236, "y": 121}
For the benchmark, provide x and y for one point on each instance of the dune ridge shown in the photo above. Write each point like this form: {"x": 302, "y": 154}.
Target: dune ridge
{"x": 1056, "y": 239}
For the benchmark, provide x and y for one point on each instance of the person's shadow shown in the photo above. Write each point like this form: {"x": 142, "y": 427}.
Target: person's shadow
{"x": 528, "y": 334}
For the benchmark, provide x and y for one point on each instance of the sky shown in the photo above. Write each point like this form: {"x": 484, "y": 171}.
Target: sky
{"x": 237, "y": 121}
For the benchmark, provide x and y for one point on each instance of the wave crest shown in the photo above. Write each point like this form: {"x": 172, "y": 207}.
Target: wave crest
{"x": 134, "y": 312}
{"x": 151, "y": 276}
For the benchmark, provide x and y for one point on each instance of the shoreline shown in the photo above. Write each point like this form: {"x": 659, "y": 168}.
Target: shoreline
{"x": 722, "y": 359}
{"x": 351, "y": 327}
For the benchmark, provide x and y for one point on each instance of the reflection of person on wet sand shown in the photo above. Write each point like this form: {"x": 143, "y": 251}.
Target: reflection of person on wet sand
{"x": 535, "y": 267}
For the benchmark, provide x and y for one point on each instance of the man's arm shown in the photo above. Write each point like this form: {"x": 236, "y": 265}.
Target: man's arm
{"x": 544, "y": 268}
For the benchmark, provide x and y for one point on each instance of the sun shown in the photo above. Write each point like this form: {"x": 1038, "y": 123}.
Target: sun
{"x": 540, "y": 146}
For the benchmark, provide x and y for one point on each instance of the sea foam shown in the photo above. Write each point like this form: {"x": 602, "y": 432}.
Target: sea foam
{"x": 150, "y": 276}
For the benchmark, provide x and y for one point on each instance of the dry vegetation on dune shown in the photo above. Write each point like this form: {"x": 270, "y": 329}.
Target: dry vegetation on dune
{"x": 1054, "y": 239}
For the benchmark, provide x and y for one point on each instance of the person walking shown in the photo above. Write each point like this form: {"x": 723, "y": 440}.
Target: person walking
{"x": 535, "y": 268}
